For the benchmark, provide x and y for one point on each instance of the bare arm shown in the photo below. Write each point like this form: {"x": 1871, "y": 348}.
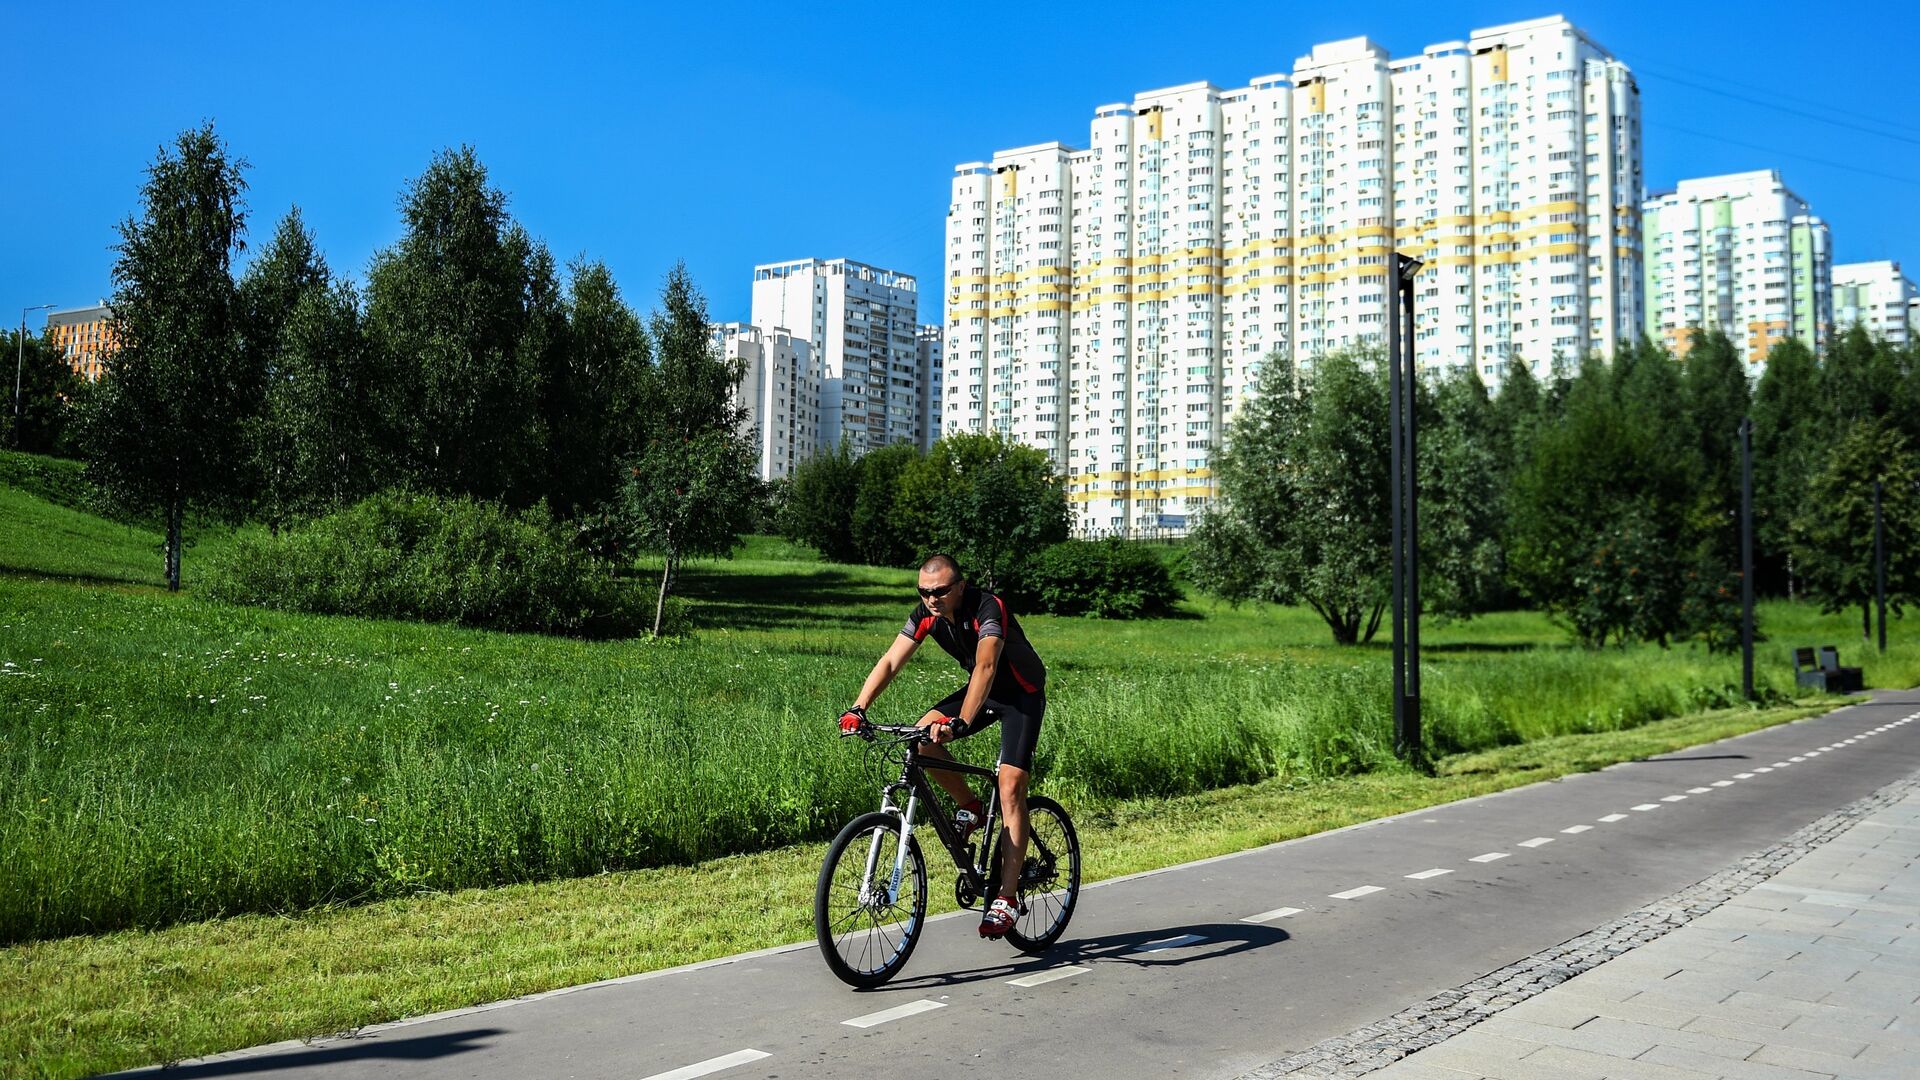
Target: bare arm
{"x": 886, "y": 668}
{"x": 986, "y": 663}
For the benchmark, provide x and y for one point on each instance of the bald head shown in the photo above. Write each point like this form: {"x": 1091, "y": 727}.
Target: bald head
{"x": 940, "y": 564}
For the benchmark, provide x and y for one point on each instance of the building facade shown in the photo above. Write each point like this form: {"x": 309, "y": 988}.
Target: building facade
{"x": 780, "y": 391}
{"x": 1741, "y": 254}
{"x": 87, "y": 337}
{"x": 862, "y": 323}
{"x": 1878, "y": 296}
{"x": 1111, "y": 305}
{"x": 929, "y": 345}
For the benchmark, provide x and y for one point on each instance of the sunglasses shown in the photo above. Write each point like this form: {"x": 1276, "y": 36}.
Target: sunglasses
{"x": 941, "y": 591}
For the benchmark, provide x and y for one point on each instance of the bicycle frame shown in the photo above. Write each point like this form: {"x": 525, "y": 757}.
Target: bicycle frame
{"x": 913, "y": 780}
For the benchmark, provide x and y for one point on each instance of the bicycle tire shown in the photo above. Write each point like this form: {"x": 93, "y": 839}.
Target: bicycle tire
{"x": 859, "y": 949}
{"x": 1047, "y": 899}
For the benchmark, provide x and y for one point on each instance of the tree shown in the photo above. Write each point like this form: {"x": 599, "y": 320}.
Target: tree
{"x": 166, "y": 429}
{"x": 1599, "y": 529}
{"x": 323, "y": 437}
{"x": 879, "y": 535}
{"x": 595, "y": 402}
{"x": 1303, "y": 513}
{"x": 1833, "y": 536}
{"x": 1859, "y": 379}
{"x": 818, "y": 508}
{"x": 463, "y": 313}
{"x": 1788, "y": 430}
{"x": 1717, "y": 398}
{"x": 694, "y": 486}
{"x": 1462, "y": 478}
{"x": 278, "y": 280}
{"x": 991, "y": 503}
{"x": 48, "y": 390}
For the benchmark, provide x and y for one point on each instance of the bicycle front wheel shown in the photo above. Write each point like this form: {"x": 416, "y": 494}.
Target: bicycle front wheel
{"x": 867, "y": 922}
{"x": 1050, "y": 878}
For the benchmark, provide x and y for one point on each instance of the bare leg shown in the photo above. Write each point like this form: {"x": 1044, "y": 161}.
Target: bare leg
{"x": 954, "y": 783}
{"x": 1013, "y": 838}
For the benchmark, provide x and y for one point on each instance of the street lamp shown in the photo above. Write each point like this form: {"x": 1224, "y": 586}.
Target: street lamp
{"x": 1403, "y": 443}
{"x": 19, "y": 361}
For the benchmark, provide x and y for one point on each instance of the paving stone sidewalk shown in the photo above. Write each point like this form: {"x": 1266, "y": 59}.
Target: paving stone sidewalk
{"x": 1814, "y": 972}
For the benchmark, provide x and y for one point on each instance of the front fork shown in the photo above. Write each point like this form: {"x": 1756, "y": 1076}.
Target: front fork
{"x": 898, "y": 872}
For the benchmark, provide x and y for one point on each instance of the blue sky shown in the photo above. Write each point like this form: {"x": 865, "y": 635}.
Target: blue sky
{"x": 731, "y": 134}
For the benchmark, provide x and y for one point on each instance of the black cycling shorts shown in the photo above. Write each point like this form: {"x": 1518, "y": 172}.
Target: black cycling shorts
{"x": 1018, "y": 715}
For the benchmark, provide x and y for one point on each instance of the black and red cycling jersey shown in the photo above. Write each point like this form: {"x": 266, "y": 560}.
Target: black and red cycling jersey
{"x": 980, "y": 614}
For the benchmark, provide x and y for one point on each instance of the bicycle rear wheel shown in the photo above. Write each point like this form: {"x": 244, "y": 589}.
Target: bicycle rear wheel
{"x": 867, "y": 929}
{"x": 1050, "y": 878}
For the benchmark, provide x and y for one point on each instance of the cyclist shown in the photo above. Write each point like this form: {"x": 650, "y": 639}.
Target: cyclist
{"x": 1005, "y": 681}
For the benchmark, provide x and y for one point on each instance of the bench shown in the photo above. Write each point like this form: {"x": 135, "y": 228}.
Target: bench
{"x": 1822, "y": 671}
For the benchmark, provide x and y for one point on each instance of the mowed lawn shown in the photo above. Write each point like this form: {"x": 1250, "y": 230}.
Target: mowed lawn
{"x": 172, "y": 759}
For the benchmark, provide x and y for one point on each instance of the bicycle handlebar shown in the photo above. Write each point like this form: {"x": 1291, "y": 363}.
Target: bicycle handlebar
{"x": 903, "y": 732}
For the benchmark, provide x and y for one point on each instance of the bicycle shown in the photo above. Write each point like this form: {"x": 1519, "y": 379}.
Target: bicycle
{"x": 870, "y": 904}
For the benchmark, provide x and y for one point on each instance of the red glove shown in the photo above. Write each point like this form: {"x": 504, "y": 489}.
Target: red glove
{"x": 851, "y": 720}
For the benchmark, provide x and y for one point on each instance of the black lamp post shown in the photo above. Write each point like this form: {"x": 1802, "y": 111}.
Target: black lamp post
{"x": 1403, "y": 443}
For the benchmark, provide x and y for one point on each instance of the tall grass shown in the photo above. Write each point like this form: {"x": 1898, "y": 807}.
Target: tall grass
{"x": 171, "y": 758}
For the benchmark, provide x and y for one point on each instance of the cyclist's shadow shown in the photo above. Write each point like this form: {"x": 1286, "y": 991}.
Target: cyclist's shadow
{"x": 1168, "y": 947}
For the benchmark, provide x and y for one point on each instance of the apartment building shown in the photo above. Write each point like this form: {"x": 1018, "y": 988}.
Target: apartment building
{"x": 1741, "y": 254}
{"x": 86, "y": 335}
{"x": 1878, "y": 296}
{"x": 1113, "y": 304}
{"x": 862, "y": 325}
{"x": 929, "y": 346}
{"x": 780, "y": 391}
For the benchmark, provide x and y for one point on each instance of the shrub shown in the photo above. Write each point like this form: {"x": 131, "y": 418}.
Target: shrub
{"x": 1108, "y": 579}
{"x": 434, "y": 559}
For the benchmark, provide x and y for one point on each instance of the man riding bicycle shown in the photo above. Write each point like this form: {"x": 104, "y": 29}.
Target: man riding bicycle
{"x": 1006, "y": 682}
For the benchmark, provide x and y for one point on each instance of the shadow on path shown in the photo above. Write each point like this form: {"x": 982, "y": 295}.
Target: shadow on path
{"x": 356, "y": 1048}
{"x": 1217, "y": 940}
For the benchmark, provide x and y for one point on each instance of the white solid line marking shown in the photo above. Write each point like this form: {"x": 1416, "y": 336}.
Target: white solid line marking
{"x": 895, "y": 1013}
{"x": 1698, "y": 790}
{"x": 711, "y": 1065}
{"x": 1489, "y": 856}
{"x": 1180, "y": 942}
{"x": 1612, "y": 817}
{"x": 1425, "y": 874}
{"x": 1576, "y": 828}
{"x": 1645, "y": 806}
{"x": 1355, "y": 894}
{"x": 1673, "y": 798}
{"x": 1538, "y": 841}
{"x": 1276, "y": 913}
{"x": 1055, "y": 975}
{"x": 1723, "y": 783}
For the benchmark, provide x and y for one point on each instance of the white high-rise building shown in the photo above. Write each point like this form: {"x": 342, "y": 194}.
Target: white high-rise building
{"x": 1741, "y": 254}
{"x": 926, "y": 412}
{"x": 780, "y": 391}
{"x": 1113, "y": 304}
{"x": 862, "y": 322}
{"x": 1878, "y": 296}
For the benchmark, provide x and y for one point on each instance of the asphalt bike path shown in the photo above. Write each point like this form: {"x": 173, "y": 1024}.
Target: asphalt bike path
{"x": 1206, "y": 970}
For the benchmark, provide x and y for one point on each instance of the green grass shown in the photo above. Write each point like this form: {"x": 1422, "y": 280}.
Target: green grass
{"x": 173, "y": 759}
{"x": 81, "y": 1005}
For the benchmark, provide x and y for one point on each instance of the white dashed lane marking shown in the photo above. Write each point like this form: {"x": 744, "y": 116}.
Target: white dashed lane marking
{"x": 1164, "y": 944}
{"x": 1646, "y": 806}
{"x": 1276, "y": 913}
{"x": 1723, "y": 783}
{"x": 1698, "y": 790}
{"x": 1612, "y": 818}
{"x": 1538, "y": 841}
{"x": 1055, "y": 975}
{"x": 1355, "y": 894}
{"x": 1743, "y": 776}
{"x": 898, "y": 1012}
{"x": 1489, "y": 856}
{"x": 711, "y": 1065}
{"x": 1576, "y": 829}
{"x": 1673, "y": 798}
{"x": 1425, "y": 874}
